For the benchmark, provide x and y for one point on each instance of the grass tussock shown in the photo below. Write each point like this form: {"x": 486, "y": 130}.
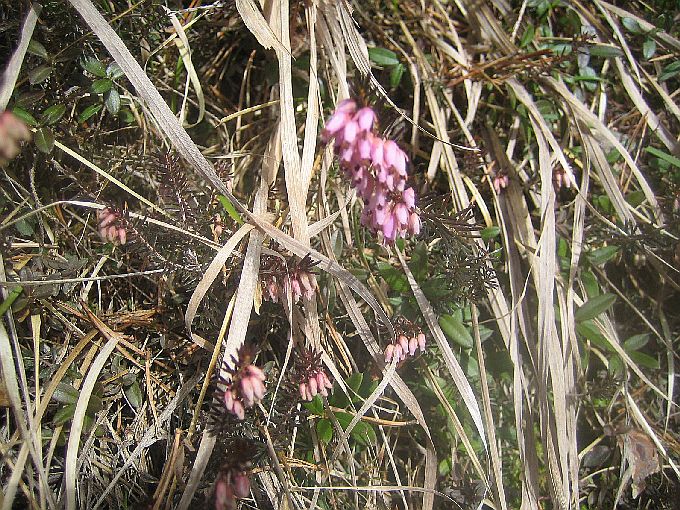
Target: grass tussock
{"x": 203, "y": 304}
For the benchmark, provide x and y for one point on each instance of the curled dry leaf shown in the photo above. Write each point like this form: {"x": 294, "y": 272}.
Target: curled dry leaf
{"x": 639, "y": 453}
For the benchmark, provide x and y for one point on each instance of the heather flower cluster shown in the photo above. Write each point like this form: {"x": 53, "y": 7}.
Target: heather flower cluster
{"x": 311, "y": 378}
{"x": 246, "y": 386}
{"x": 278, "y": 274}
{"x": 12, "y": 132}
{"x": 232, "y": 483}
{"x": 376, "y": 168}
{"x": 408, "y": 340}
{"x": 111, "y": 225}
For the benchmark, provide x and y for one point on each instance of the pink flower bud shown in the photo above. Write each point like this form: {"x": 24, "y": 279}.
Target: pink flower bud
{"x": 228, "y": 400}
{"x": 377, "y": 152}
{"x": 239, "y": 410}
{"x": 122, "y": 235}
{"x": 401, "y": 213}
{"x": 348, "y": 106}
{"x": 349, "y": 134}
{"x": 365, "y": 118}
{"x": 241, "y": 485}
{"x": 421, "y": 341}
{"x": 398, "y": 353}
{"x": 258, "y": 388}
{"x": 389, "y": 352}
{"x": 247, "y": 392}
{"x": 313, "y": 387}
{"x": 304, "y": 393}
{"x": 256, "y": 372}
{"x": 409, "y": 198}
{"x": 388, "y": 228}
{"x": 224, "y": 495}
{"x": 412, "y": 345}
{"x": 335, "y": 123}
{"x": 403, "y": 342}
{"x": 414, "y": 224}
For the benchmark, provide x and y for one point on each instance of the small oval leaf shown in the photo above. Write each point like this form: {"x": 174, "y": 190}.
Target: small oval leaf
{"x": 88, "y": 112}
{"x": 454, "y": 329}
{"x": 37, "y": 49}
{"x": 101, "y": 86}
{"x": 93, "y": 66}
{"x": 594, "y": 307}
{"x": 383, "y": 56}
{"x": 39, "y": 74}
{"x": 44, "y": 140}
{"x": 53, "y": 114}
{"x": 112, "y": 101}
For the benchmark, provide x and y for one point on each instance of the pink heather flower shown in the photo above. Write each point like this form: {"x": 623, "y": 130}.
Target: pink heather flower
{"x": 376, "y": 168}
{"x": 318, "y": 383}
{"x": 246, "y": 386}
{"x": 310, "y": 377}
{"x": 232, "y": 483}
{"x": 365, "y": 119}
{"x": 278, "y": 274}
{"x": 111, "y": 225}
{"x": 408, "y": 340}
{"x": 12, "y": 132}
{"x": 500, "y": 182}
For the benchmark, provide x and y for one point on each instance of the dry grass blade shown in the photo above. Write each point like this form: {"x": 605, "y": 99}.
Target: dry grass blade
{"x": 70, "y": 473}
{"x": 457, "y": 374}
{"x": 9, "y": 77}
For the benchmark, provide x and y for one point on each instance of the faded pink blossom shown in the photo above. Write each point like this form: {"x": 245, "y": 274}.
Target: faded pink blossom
{"x": 232, "y": 483}
{"x": 12, "y": 132}
{"x": 317, "y": 383}
{"x": 111, "y": 225}
{"x": 377, "y": 169}
{"x": 500, "y": 182}
{"x": 408, "y": 340}
{"x": 245, "y": 389}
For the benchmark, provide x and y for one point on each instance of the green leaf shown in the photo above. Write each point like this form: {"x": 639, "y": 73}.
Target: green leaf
{"x": 602, "y": 255}
{"x": 134, "y": 395}
{"x": 230, "y": 209}
{"x": 66, "y": 394}
{"x": 39, "y": 74}
{"x": 635, "y": 342}
{"x": 396, "y": 74}
{"x": 594, "y": 307}
{"x": 28, "y": 98}
{"x": 112, "y": 101}
{"x": 648, "y": 48}
{"x": 64, "y": 414}
{"x": 52, "y": 115}
{"x": 324, "y": 430}
{"x": 44, "y": 140}
{"x": 88, "y": 112}
{"x": 632, "y": 25}
{"x": 395, "y": 279}
{"x": 354, "y": 381}
{"x": 590, "y": 283}
{"x": 114, "y": 71}
{"x": 11, "y": 298}
{"x": 37, "y": 49}
{"x": 662, "y": 155}
{"x": 636, "y": 197}
{"x": 589, "y": 330}
{"x": 454, "y": 329}
{"x": 383, "y": 57}
{"x": 25, "y": 116}
{"x": 670, "y": 71}
{"x": 126, "y": 116}
{"x": 315, "y": 406}
{"x": 362, "y": 433}
{"x": 490, "y": 232}
{"x": 101, "y": 86}
{"x": 527, "y": 36}
{"x": 644, "y": 360}
{"x": 418, "y": 263}
{"x": 93, "y": 66}
{"x": 605, "y": 50}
